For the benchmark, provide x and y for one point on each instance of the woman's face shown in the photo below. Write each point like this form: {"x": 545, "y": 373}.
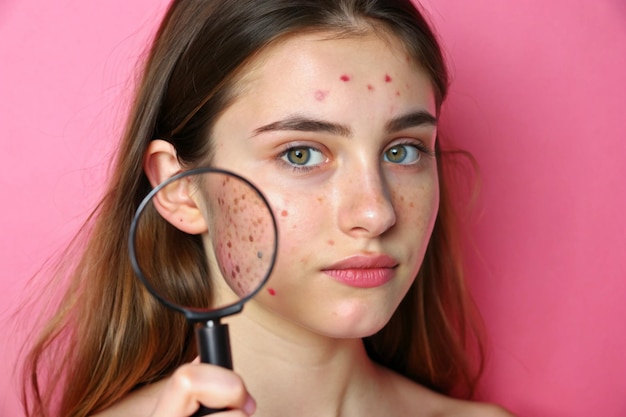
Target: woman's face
{"x": 339, "y": 135}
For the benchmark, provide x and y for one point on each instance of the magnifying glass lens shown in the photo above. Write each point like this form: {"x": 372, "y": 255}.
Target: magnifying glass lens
{"x": 216, "y": 247}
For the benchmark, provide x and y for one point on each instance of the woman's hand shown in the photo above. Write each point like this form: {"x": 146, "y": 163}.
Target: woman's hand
{"x": 199, "y": 383}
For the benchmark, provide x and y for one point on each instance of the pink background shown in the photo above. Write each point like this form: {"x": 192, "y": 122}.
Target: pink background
{"x": 539, "y": 97}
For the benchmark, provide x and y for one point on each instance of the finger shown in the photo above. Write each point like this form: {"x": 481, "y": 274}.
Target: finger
{"x": 209, "y": 385}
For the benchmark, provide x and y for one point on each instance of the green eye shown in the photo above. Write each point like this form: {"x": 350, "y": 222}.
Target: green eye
{"x": 303, "y": 156}
{"x": 298, "y": 156}
{"x": 402, "y": 154}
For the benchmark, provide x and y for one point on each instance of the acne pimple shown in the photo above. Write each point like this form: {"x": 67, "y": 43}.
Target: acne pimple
{"x": 271, "y": 291}
{"x": 345, "y": 78}
{"x": 320, "y": 95}
{"x": 331, "y": 242}
{"x": 397, "y": 93}
{"x": 370, "y": 87}
{"x": 387, "y": 78}
{"x": 284, "y": 213}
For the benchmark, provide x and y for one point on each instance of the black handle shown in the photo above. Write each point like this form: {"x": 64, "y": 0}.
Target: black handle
{"x": 214, "y": 347}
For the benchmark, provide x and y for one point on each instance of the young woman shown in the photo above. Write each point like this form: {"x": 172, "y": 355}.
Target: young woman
{"x": 331, "y": 107}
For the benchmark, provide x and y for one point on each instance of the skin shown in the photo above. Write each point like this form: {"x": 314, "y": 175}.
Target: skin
{"x": 297, "y": 345}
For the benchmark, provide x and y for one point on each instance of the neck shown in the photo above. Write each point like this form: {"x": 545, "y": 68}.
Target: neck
{"x": 292, "y": 371}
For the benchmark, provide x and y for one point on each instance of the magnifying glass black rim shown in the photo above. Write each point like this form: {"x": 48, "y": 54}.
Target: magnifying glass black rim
{"x": 197, "y": 314}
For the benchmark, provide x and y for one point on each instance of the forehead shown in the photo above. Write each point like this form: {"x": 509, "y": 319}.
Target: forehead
{"x": 318, "y": 54}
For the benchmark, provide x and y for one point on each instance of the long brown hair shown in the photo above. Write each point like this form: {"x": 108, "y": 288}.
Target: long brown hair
{"x": 108, "y": 336}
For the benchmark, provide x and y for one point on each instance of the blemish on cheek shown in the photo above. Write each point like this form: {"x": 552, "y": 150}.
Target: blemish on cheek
{"x": 271, "y": 291}
{"x": 320, "y": 95}
{"x": 345, "y": 78}
{"x": 387, "y": 78}
{"x": 284, "y": 213}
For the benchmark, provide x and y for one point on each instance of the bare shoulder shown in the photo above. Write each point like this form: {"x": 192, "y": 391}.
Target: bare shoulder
{"x": 413, "y": 397}
{"x": 139, "y": 403}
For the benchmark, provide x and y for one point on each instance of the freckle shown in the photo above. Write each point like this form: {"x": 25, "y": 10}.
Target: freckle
{"x": 331, "y": 242}
{"x": 271, "y": 291}
{"x": 284, "y": 213}
{"x": 411, "y": 205}
{"x": 387, "y": 78}
{"x": 320, "y": 199}
{"x": 320, "y": 95}
{"x": 345, "y": 78}
{"x": 370, "y": 87}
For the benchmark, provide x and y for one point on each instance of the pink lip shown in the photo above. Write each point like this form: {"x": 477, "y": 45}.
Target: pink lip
{"x": 363, "y": 271}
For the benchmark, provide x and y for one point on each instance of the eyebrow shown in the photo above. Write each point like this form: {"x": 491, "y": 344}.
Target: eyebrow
{"x": 305, "y": 124}
{"x": 414, "y": 119}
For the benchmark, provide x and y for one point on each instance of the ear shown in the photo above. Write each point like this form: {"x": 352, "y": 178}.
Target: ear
{"x": 174, "y": 202}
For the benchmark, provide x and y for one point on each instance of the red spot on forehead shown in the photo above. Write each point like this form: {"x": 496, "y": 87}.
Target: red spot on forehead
{"x": 320, "y": 95}
{"x": 345, "y": 78}
{"x": 387, "y": 78}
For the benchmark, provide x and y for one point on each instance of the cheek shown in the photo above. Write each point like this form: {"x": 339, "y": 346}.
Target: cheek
{"x": 300, "y": 220}
{"x": 417, "y": 204}
{"x": 243, "y": 239}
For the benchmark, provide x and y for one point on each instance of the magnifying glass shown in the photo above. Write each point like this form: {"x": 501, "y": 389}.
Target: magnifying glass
{"x": 229, "y": 237}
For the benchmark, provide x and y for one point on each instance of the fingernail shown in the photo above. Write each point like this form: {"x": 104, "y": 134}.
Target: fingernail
{"x": 250, "y": 406}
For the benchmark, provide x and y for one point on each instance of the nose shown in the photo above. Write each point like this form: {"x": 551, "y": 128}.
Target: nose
{"x": 366, "y": 208}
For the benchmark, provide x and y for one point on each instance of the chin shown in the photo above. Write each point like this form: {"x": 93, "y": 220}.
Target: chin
{"x": 352, "y": 323}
